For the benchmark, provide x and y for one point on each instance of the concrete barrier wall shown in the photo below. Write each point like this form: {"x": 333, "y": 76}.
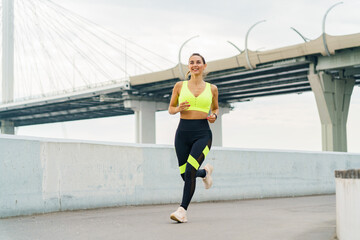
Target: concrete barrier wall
{"x": 348, "y": 204}
{"x": 47, "y": 175}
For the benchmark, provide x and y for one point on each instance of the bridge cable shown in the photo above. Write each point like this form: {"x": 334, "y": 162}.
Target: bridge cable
{"x": 71, "y": 43}
{"x": 32, "y": 51}
{"x": 40, "y": 36}
{"x": 59, "y": 32}
{"x": 107, "y": 43}
{"x": 18, "y": 61}
{"x": 107, "y": 31}
{"x": 43, "y": 55}
{"x": 94, "y": 49}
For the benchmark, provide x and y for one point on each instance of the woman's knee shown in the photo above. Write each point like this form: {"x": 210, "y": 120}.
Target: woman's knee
{"x": 190, "y": 173}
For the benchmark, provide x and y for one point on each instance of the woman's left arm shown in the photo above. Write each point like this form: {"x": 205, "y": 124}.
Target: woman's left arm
{"x": 214, "y": 105}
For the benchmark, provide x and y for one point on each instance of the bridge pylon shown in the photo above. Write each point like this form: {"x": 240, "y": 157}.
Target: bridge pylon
{"x": 7, "y": 127}
{"x": 332, "y": 96}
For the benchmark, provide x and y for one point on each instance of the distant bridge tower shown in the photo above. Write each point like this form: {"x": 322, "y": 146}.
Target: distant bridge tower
{"x": 7, "y": 127}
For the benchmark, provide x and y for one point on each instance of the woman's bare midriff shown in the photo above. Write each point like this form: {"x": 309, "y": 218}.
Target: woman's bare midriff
{"x": 193, "y": 115}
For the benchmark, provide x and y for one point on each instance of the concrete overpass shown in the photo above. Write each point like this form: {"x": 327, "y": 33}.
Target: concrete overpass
{"x": 292, "y": 69}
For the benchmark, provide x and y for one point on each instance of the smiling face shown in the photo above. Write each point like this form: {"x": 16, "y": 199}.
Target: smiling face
{"x": 196, "y": 65}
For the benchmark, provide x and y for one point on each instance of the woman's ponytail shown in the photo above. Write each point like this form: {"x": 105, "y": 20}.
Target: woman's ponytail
{"x": 187, "y": 75}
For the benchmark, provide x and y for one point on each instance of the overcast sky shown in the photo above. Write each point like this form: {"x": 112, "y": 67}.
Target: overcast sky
{"x": 277, "y": 122}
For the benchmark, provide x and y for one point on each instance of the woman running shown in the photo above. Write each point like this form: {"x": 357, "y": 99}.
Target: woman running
{"x": 193, "y": 99}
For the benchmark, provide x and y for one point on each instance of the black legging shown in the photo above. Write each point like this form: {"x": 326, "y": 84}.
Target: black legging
{"x": 192, "y": 143}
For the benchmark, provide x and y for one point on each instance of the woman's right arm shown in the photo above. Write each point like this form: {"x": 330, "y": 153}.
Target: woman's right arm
{"x": 173, "y": 106}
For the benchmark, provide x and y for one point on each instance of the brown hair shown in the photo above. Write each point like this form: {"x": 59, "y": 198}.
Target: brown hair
{"x": 198, "y": 54}
{"x": 202, "y": 58}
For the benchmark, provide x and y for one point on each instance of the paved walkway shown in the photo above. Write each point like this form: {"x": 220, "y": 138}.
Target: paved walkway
{"x": 300, "y": 218}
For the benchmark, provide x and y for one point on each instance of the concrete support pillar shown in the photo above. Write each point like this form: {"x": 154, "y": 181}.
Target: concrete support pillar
{"x": 333, "y": 101}
{"x": 7, "y": 127}
{"x": 145, "y": 125}
{"x": 216, "y": 127}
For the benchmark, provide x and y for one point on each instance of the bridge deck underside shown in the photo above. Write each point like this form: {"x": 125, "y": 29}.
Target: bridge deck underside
{"x": 240, "y": 85}
{"x": 234, "y": 85}
{"x": 66, "y": 110}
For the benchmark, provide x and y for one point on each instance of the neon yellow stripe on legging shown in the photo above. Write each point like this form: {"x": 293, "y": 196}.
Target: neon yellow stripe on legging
{"x": 206, "y": 151}
{"x": 182, "y": 168}
{"x": 193, "y": 162}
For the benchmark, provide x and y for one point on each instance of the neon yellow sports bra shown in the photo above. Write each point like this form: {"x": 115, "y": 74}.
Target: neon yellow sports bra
{"x": 200, "y": 103}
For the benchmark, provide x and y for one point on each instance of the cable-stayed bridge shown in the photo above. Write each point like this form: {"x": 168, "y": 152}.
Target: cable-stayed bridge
{"x": 57, "y": 51}
{"x": 329, "y": 68}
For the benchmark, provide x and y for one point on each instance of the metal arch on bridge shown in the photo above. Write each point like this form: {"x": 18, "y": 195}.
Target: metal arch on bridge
{"x": 292, "y": 69}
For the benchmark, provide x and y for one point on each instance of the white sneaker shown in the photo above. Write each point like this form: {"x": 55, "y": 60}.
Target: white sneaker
{"x": 208, "y": 179}
{"x": 179, "y": 215}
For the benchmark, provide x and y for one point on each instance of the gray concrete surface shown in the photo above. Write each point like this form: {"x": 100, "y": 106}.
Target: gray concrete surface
{"x": 305, "y": 218}
{"x": 39, "y": 175}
